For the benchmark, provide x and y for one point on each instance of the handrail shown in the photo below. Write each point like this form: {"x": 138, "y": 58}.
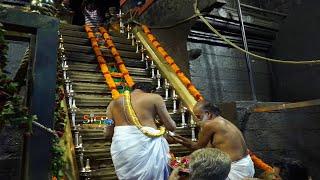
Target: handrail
{"x": 164, "y": 68}
{"x": 284, "y": 106}
{"x": 67, "y": 141}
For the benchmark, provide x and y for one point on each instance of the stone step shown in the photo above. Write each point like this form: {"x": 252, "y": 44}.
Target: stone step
{"x": 82, "y": 34}
{"x": 97, "y": 88}
{"x": 97, "y": 77}
{"x": 85, "y": 41}
{"x": 103, "y": 174}
{"x": 92, "y": 100}
{"x": 84, "y": 87}
{"x": 99, "y": 101}
{"x": 91, "y": 59}
{"x": 122, "y": 48}
{"x": 65, "y": 26}
{"x": 94, "y": 153}
{"x": 71, "y": 27}
{"x": 78, "y": 66}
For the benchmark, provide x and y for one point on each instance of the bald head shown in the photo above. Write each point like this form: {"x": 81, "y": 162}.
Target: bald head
{"x": 206, "y": 107}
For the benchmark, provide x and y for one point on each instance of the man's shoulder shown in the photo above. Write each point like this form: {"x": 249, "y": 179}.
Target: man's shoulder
{"x": 152, "y": 96}
{"x": 214, "y": 123}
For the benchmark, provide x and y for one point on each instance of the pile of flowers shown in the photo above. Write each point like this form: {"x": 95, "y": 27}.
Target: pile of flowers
{"x": 180, "y": 162}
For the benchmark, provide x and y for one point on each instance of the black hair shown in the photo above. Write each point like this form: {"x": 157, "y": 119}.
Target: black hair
{"x": 209, "y": 107}
{"x": 292, "y": 169}
{"x": 144, "y": 86}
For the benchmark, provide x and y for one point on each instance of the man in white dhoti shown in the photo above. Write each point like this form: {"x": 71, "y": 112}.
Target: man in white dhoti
{"x": 138, "y": 149}
{"x": 220, "y": 133}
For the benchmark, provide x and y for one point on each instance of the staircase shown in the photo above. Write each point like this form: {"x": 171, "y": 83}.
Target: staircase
{"x": 92, "y": 97}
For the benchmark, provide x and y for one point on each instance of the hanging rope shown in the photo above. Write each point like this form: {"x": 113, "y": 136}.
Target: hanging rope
{"x": 253, "y": 54}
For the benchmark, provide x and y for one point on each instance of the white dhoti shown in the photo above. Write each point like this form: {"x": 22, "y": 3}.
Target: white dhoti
{"x": 136, "y": 156}
{"x": 241, "y": 169}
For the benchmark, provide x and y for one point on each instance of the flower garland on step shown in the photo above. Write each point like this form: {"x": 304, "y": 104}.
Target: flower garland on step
{"x": 134, "y": 119}
{"x": 116, "y": 56}
{"x": 259, "y": 163}
{"x": 191, "y": 88}
{"x": 102, "y": 62}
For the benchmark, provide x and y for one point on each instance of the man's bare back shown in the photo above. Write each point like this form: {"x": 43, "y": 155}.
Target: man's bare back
{"x": 147, "y": 107}
{"x": 216, "y": 132}
{"x": 226, "y": 137}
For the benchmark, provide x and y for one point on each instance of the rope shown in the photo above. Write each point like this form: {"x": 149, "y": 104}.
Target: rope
{"x": 253, "y": 54}
{"x": 49, "y": 130}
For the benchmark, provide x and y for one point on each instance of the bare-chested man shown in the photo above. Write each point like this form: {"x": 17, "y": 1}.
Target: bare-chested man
{"x": 220, "y": 133}
{"x": 134, "y": 154}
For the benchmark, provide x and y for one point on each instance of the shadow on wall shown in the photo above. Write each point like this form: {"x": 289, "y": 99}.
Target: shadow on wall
{"x": 298, "y": 38}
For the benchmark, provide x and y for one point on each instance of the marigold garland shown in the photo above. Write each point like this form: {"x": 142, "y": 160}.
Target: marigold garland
{"x": 191, "y": 88}
{"x": 259, "y": 163}
{"x": 134, "y": 119}
{"x": 102, "y": 62}
{"x": 116, "y": 56}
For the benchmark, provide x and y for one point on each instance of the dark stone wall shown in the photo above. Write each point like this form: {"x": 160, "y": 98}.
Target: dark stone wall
{"x": 220, "y": 74}
{"x": 11, "y": 143}
{"x": 283, "y": 6}
{"x": 298, "y": 39}
{"x": 289, "y": 134}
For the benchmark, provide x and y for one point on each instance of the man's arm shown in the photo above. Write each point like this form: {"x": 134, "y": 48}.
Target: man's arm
{"x": 163, "y": 114}
{"x": 205, "y": 135}
{"x": 108, "y": 129}
{"x": 109, "y": 110}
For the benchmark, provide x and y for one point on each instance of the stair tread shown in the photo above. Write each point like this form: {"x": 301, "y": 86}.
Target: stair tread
{"x": 78, "y": 31}
{"x": 86, "y": 67}
{"x": 123, "y": 49}
{"x": 97, "y": 77}
{"x": 85, "y": 41}
{"x": 91, "y": 58}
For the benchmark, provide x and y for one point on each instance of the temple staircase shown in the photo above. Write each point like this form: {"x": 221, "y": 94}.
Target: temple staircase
{"x": 89, "y": 97}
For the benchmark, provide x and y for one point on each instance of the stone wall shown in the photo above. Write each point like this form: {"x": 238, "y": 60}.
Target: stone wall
{"x": 11, "y": 143}
{"x": 283, "y": 6}
{"x": 289, "y": 133}
{"x": 298, "y": 39}
{"x": 220, "y": 74}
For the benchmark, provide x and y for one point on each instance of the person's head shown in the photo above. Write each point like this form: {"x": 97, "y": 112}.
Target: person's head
{"x": 90, "y": 5}
{"x": 112, "y": 11}
{"x": 209, "y": 163}
{"x": 290, "y": 169}
{"x": 144, "y": 86}
{"x": 204, "y": 110}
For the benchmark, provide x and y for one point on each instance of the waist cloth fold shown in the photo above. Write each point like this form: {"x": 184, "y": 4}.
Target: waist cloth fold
{"x": 244, "y": 168}
{"x": 136, "y": 156}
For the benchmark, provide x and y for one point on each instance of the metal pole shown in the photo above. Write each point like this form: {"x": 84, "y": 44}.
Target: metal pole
{"x": 248, "y": 61}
